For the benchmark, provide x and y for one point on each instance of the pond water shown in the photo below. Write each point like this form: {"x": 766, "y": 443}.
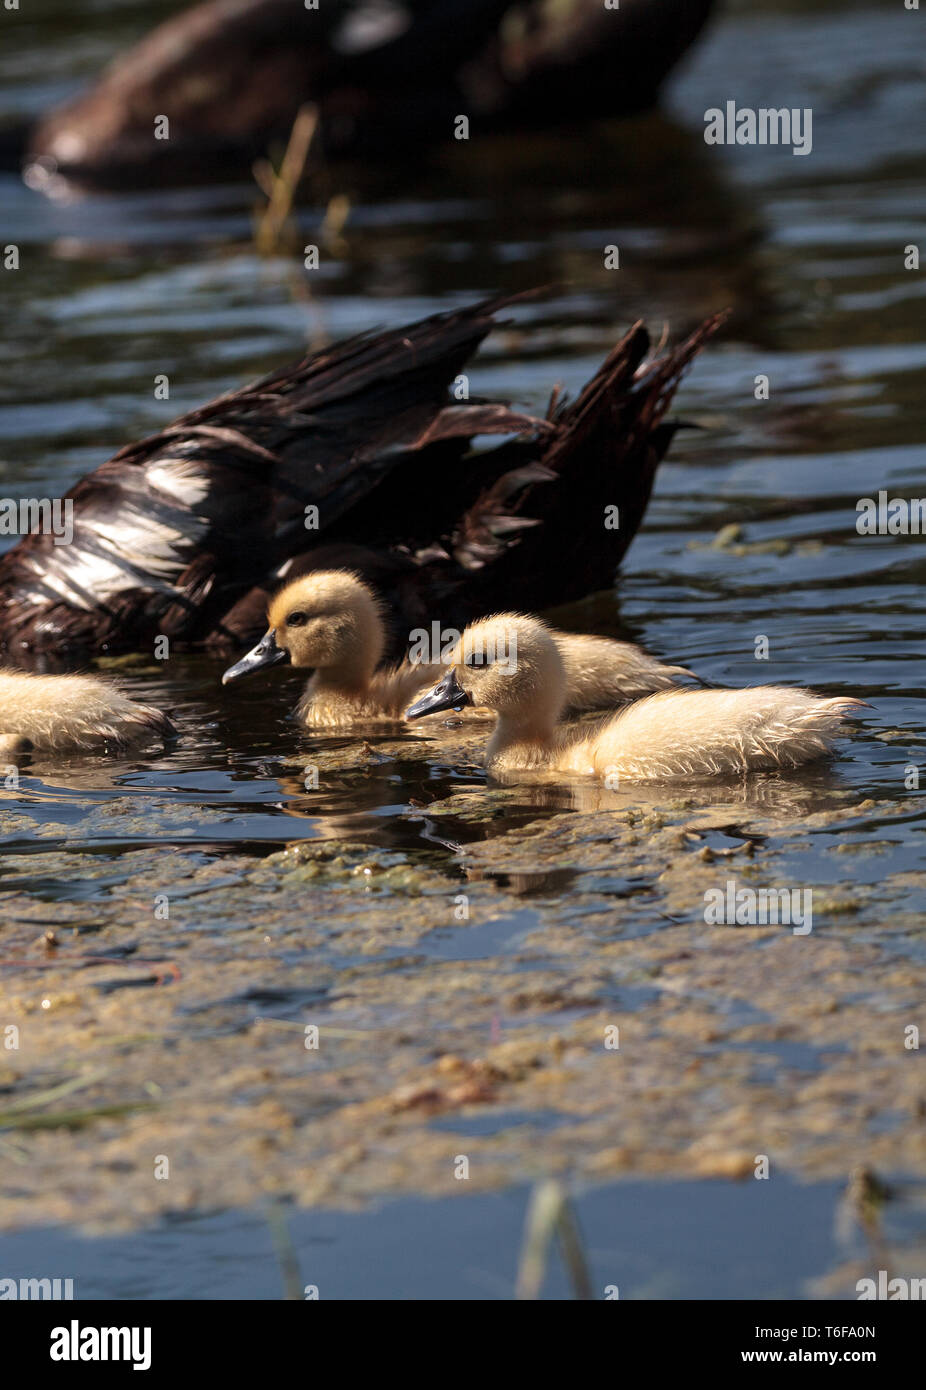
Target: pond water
{"x": 585, "y": 907}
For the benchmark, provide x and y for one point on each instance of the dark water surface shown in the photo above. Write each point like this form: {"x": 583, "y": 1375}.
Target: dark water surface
{"x": 809, "y": 252}
{"x": 469, "y": 1248}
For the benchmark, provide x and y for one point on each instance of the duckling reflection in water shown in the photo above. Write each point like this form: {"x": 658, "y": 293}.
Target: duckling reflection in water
{"x": 511, "y": 664}
{"x": 333, "y": 622}
{"x": 72, "y": 714}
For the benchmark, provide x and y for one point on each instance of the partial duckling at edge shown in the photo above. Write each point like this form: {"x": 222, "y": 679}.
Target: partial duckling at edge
{"x": 73, "y": 714}
{"x": 511, "y": 664}
{"x": 333, "y": 622}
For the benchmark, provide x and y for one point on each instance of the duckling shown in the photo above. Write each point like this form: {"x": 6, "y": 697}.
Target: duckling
{"x": 387, "y": 79}
{"x": 185, "y": 534}
{"x": 511, "y": 664}
{"x": 72, "y": 714}
{"x": 333, "y": 621}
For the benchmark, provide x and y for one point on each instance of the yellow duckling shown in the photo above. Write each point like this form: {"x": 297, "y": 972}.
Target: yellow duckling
{"x": 332, "y": 621}
{"x": 511, "y": 664}
{"x": 71, "y": 714}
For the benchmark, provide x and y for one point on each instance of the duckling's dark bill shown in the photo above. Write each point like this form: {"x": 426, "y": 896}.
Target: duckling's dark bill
{"x": 449, "y": 694}
{"x": 266, "y": 653}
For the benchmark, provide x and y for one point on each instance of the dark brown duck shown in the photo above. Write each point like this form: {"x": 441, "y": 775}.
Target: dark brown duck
{"x": 186, "y": 533}
{"x": 387, "y": 77}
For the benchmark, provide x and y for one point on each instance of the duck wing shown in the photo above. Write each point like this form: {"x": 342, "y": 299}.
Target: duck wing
{"x": 518, "y": 527}
{"x": 546, "y": 531}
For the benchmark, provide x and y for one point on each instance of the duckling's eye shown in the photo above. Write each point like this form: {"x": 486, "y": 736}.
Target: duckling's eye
{"x": 478, "y": 659}
{"x": 297, "y": 619}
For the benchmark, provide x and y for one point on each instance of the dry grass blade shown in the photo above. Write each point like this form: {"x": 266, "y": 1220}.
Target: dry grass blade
{"x": 280, "y": 186}
{"x": 550, "y": 1213}
{"x": 66, "y": 1088}
{"x": 285, "y": 1253}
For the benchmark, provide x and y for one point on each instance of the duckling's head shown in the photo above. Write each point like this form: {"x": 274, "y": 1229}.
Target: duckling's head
{"x": 508, "y": 663}
{"x": 329, "y": 620}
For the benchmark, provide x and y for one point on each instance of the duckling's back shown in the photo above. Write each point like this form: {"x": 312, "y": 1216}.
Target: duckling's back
{"x": 602, "y": 673}
{"x": 61, "y": 713}
{"x": 707, "y": 733}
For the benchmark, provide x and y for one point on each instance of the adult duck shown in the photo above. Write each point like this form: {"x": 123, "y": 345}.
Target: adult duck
{"x": 388, "y": 77}
{"x": 333, "y": 623}
{"x": 355, "y": 457}
{"x": 510, "y": 664}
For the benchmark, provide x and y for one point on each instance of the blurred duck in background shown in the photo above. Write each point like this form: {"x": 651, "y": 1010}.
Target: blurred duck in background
{"x": 387, "y": 77}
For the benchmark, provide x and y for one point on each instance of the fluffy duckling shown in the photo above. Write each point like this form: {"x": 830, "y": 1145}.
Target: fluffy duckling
{"x": 332, "y": 621}
{"x": 512, "y": 665}
{"x": 70, "y": 714}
